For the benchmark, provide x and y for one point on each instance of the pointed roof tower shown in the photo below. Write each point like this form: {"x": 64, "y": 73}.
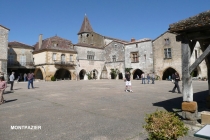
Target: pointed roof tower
{"x": 86, "y": 27}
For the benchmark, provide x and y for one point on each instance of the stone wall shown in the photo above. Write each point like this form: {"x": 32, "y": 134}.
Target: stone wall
{"x": 161, "y": 64}
{"x": 3, "y": 47}
{"x": 145, "y": 56}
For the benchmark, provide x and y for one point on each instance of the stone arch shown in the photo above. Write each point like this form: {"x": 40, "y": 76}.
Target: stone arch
{"x": 82, "y": 74}
{"x": 104, "y": 73}
{"x": 94, "y": 74}
{"x": 196, "y": 72}
{"x": 137, "y": 72}
{"x": 167, "y": 73}
{"x": 62, "y": 74}
{"x": 120, "y": 75}
{"x": 38, "y": 74}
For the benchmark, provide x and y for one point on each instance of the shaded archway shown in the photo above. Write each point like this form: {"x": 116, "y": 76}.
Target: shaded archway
{"x": 137, "y": 72}
{"x": 94, "y": 74}
{"x": 120, "y": 75}
{"x": 196, "y": 72}
{"x": 167, "y": 75}
{"x": 62, "y": 74}
{"x": 39, "y": 75}
{"x": 82, "y": 74}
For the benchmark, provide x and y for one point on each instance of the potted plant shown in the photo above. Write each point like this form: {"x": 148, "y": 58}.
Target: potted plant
{"x": 162, "y": 125}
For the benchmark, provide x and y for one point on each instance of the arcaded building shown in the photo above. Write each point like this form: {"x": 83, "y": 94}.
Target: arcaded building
{"x": 55, "y": 57}
{"x": 167, "y": 57}
{"x": 139, "y": 57}
{"x": 98, "y": 54}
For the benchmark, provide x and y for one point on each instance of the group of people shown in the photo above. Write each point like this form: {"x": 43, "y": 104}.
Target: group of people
{"x": 128, "y": 80}
{"x": 3, "y": 84}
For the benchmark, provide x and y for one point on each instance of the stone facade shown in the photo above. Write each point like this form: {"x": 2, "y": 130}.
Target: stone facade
{"x": 20, "y": 58}
{"x": 167, "y": 57}
{"x": 3, "y": 47}
{"x": 114, "y": 59}
{"x": 139, "y": 57}
{"x": 55, "y": 57}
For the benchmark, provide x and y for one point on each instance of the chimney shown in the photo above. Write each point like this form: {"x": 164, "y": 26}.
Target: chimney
{"x": 40, "y": 41}
{"x": 133, "y": 40}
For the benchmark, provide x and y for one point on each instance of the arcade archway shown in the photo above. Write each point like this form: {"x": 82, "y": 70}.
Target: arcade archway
{"x": 120, "y": 75}
{"x": 167, "y": 75}
{"x": 82, "y": 74}
{"x": 137, "y": 73}
{"x": 63, "y": 74}
{"x": 39, "y": 75}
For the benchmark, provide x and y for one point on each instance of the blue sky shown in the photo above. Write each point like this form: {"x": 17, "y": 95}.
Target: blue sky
{"x": 122, "y": 19}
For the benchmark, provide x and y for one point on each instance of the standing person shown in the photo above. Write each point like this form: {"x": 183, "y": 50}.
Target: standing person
{"x": 30, "y": 80}
{"x": 153, "y": 78}
{"x": 176, "y": 83}
{"x": 25, "y": 77}
{"x": 3, "y": 86}
{"x": 128, "y": 82}
{"x": 143, "y": 78}
{"x": 11, "y": 79}
{"x": 148, "y": 78}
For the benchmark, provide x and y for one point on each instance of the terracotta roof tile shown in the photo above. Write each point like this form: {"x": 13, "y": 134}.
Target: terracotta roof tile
{"x": 56, "y": 43}
{"x": 86, "y": 27}
{"x": 19, "y": 45}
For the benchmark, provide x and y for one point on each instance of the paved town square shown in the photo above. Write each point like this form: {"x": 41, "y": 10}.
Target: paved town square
{"x": 87, "y": 110}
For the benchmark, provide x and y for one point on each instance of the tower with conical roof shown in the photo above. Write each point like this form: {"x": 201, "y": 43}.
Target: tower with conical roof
{"x": 87, "y": 36}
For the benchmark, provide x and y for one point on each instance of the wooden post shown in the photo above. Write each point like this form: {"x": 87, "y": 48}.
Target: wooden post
{"x": 187, "y": 88}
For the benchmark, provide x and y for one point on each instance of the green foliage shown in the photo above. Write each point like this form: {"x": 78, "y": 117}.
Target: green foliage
{"x": 157, "y": 77}
{"x": 89, "y": 76}
{"x": 192, "y": 73}
{"x": 128, "y": 69}
{"x": 162, "y": 125}
{"x": 53, "y": 78}
{"x": 114, "y": 72}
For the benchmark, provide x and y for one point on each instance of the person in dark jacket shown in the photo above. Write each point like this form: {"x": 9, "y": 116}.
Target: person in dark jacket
{"x": 176, "y": 82}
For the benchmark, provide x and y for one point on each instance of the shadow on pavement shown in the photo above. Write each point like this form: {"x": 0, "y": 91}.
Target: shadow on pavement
{"x": 7, "y": 101}
{"x": 174, "y": 105}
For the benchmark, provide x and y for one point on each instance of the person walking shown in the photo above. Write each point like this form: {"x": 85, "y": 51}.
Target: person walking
{"x": 3, "y": 86}
{"x": 153, "y": 78}
{"x": 176, "y": 83}
{"x": 25, "y": 77}
{"x": 128, "y": 82}
{"x": 11, "y": 79}
{"x": 148, "y": 78}
{"x": 30, "y": 80}
{"x": 143, "y": 78}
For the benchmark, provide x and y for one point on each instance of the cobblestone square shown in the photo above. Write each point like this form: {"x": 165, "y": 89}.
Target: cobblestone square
{"x": 88, "y": 110}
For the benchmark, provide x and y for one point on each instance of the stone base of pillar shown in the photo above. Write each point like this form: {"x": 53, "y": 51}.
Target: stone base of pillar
{"x": 190, "y": 110}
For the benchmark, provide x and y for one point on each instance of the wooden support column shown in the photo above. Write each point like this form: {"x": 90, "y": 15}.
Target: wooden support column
{"x": 187, "y": 88}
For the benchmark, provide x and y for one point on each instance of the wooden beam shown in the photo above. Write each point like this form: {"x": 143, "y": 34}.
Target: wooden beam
{"x": 200, "y": 59}
{"x": 187, "y": 89}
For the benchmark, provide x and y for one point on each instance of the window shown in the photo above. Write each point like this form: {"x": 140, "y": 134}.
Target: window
{"x": 167, "y": 53}
{"x": 196, "y": 54}
{"x": 62, "y": 58}
{"x": 90, "y": 55}
{"x": 114, "y": 58}
{"x": 167, "y": 41}
{"x": 71, "y": 57}
{"x": 54, "y": 56}
{"x": 22, "y": 51}
{"x": 134, "y": 57}
{"x": 11, "y": 59}
{"x": 23, "y": 60}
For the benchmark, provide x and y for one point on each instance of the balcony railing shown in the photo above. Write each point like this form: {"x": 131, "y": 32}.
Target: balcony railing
{"x": 65, "y": 63}
{"x": 20, "y": 64}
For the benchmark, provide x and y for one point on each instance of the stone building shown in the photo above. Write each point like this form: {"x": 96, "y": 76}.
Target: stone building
{"x": 56, "y": 57}
{"x": 3, "y": 49}
{"x": 114, "y": 59}
{"x": 167, "y": 57}
{"x": 20, "y": 59}
{"x": 93, "y": 52}
{"x": 139, "y": 57}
